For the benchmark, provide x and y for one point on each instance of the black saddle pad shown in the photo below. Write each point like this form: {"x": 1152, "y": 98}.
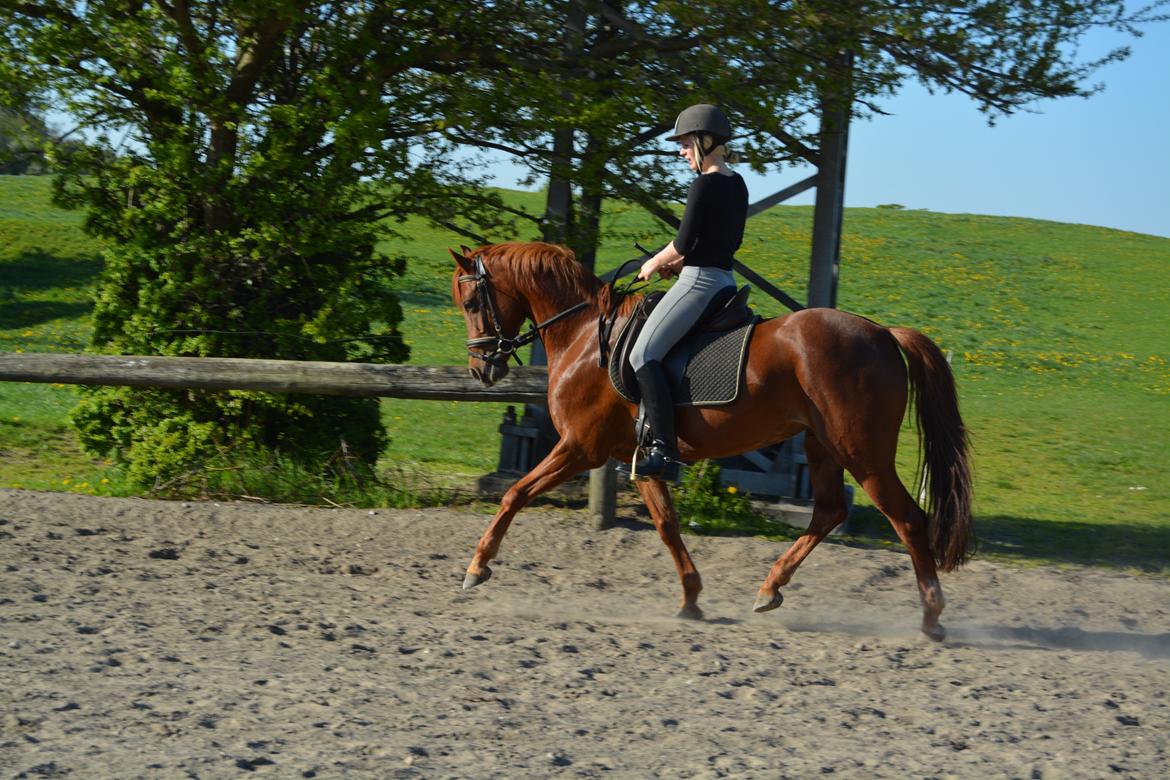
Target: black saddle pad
{"x": 705, "y": 368}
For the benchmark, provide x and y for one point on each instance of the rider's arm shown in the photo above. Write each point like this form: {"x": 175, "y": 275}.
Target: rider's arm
{"x": 672, "y": 255}
{"x": 688, "y": 229}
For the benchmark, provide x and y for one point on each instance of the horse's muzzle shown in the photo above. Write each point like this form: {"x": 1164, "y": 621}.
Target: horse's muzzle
{"x": 491, "y": 372}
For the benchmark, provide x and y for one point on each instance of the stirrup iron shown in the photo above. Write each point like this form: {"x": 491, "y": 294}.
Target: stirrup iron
{"x": 658, "y": 450}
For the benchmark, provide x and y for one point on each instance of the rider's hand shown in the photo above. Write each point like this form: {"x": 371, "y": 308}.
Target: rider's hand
{"x": 648, "y": 269}
{"x": 669, "y": 270}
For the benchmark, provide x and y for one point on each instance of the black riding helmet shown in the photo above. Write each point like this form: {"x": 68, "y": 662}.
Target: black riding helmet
{"x": 703, "y": 118}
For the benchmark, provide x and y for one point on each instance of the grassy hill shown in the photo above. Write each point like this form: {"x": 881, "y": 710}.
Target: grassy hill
{"x": 1058, "y": 336}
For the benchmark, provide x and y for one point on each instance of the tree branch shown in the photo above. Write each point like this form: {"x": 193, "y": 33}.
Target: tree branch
{"x": 525, "y": 151}
{"x": 37, "y": 11}
{"x": 180, "y": 13}
{"x": 461, "y": 230}
{"x": 643, "y": 199}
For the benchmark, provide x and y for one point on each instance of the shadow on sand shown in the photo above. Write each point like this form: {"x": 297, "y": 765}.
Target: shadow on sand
{"x": 1153, "y": 646}
{"x": 1024, "y": 539}
{"x": 1062, "y": 638}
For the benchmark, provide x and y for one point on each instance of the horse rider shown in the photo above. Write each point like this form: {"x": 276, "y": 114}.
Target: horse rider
{"x": 700, "y": 255}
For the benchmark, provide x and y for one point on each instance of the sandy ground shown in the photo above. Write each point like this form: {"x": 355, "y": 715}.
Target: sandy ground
{"x": 156, "y": 639}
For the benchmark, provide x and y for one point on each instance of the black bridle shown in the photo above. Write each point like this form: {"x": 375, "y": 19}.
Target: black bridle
{"x": 505, "y": 346}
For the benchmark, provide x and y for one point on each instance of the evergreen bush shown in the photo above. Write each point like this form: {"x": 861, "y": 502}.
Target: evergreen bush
{"x": 285, "y": 274}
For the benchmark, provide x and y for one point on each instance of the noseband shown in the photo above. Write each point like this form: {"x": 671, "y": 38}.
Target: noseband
{"x": 505, "y": 346}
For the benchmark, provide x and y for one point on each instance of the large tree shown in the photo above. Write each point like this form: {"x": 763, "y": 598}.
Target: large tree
{"x": 248, "y": 155}
{"x": 589, "y": 85}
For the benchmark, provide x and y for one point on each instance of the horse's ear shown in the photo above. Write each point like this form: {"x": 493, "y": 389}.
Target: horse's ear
{"x": 462, "y": 260}
{"x": 465, "y": 249}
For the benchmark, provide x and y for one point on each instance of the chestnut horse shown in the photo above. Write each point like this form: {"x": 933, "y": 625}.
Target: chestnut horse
{"x": 842, "y": 379}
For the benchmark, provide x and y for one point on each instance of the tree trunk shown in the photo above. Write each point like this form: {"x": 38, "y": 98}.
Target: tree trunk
{"x": 558, "y": 214}
{"x": 836, "y": 105}
{"x": 587, "y": 235}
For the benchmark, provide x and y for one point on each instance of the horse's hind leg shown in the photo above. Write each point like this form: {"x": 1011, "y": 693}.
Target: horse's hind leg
{"x": 829, "y": 511}
{"x": 563, "y": 462}
{"x": 657, "y": 497}
{"x": 910, "y": 523}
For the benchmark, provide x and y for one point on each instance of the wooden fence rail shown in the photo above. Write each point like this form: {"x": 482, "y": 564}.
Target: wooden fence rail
{"x": 526, "y": 384}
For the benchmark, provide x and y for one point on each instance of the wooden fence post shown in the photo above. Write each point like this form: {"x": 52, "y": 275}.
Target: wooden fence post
{"x": 603, "y": 495}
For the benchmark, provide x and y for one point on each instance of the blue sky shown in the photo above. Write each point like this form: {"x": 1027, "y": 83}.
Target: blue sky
{"x": 1103, "y": 161}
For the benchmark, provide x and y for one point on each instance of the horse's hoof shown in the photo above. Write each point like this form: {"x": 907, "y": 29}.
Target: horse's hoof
{"x": 690, "y": 612}
{"x": 766, "y": 602}
{"x": 935, "y": 632}
{"x": 471, "y": 580}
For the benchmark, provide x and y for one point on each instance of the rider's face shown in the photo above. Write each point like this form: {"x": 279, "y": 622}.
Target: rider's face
{"x": 686, "y": 149}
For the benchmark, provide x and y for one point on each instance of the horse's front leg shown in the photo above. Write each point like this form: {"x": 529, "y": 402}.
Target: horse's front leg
{"x": 656, "y": 494}
{"x": 565, "y": 460}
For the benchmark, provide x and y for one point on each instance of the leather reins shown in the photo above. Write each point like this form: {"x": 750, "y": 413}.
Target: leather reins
{"x": 605, "y": 323}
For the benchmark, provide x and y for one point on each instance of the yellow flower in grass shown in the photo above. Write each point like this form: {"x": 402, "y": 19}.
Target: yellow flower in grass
{"x": 732, "y": 489}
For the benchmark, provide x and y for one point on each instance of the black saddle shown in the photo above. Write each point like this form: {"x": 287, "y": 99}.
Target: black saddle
{"x": 705, "y": 367}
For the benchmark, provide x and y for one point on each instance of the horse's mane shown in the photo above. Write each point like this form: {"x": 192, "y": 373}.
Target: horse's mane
{"x": 558, "y": 265}
{"x": 555, "y": 265}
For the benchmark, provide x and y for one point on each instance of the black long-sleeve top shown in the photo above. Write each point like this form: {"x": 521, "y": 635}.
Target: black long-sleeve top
{"x": 712, "y": 225}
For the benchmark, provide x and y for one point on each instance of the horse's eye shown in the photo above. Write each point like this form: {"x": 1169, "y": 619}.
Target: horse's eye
{"x": 471, "y": 305}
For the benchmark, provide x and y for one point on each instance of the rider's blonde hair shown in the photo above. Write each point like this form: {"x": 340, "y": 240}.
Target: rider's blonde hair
{"x": 700, "y": 141}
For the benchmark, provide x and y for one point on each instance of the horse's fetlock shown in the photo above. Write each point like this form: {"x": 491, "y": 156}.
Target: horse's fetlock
{"x": 932, "y": 596}
{"x": 512, "y": 503}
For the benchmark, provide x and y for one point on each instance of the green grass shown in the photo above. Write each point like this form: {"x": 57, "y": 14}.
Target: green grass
{"x": 1058, "y": 335}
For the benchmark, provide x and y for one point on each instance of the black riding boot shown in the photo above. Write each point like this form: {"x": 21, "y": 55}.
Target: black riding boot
{"x": 662, "y": 456}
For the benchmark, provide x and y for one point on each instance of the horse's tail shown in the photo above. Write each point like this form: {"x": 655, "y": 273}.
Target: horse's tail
{"x": 943, "y": 449}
